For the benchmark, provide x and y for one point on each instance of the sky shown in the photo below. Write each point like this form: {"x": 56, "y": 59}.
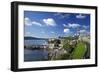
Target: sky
{"x": 55, "y": 24}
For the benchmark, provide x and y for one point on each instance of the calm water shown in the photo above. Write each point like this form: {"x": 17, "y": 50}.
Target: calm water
{"x": 35, "y": 42}
{"x": 37, "y": 54}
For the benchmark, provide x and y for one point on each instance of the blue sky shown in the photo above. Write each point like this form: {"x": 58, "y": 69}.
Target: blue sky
{"x": 54, "y": 24}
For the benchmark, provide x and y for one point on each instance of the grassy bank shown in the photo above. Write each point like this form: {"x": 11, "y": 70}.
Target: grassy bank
{"x": 79, "y": 51}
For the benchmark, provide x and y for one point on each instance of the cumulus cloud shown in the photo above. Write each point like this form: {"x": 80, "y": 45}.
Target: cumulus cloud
{"x": 49, "y": 22}
{"x": 65, "y": 15}
{"x": 29, "y": 22}
{"x": 52, "y": 32}
{"x": 83, "y": 31}
{"x": 36, "y": 23}
{"x": 64, "y": 25}
{"x": 62, "y": 15}
{"x": 80, "y": 16}
{"x": 74, "y": 25}
{"x": 84, "y": 26}
{"x": 66, "y": 30}
{"x": 27, "y": 34}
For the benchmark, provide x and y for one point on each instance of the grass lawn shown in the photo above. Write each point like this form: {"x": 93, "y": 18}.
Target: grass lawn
{"x": 79, "y": 51}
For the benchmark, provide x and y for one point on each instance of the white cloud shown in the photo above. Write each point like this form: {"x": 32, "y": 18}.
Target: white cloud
{"x": 36, "y": 23}
{"x": 52, "y": 32}
{"x": 83, "y": 31}
{"x": 74, "y": 25}
{"x": 65, "y": 15}
{"x": 61, "y": 15}
{"x": 49, "y": 22}
{"x": 27, "y": 34}
{"x": 28, "y": 22}
{"x": 66, "y": 30}
{"x": 84, "y": 26}
{"x": 64, "y": 25}
{"x": 80, "y": 16}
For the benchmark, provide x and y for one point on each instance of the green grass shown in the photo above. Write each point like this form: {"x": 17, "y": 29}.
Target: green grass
{"x": 79, "y": 51}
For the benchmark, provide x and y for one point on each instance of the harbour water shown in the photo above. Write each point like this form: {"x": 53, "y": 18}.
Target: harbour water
{"x": 36, "y": 54}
